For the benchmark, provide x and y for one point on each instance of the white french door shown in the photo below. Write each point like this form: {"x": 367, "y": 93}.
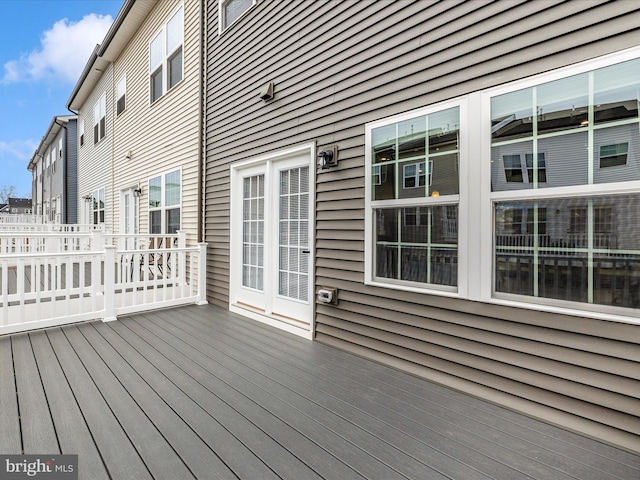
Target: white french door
{"x": 271, "y": 240}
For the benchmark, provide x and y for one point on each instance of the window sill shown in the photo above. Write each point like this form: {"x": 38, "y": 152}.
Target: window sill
{"x": 443, "y": 291}
{"x": 573, "y": 309}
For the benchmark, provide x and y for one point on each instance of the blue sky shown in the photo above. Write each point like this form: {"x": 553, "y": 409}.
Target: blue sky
{"x": 44, "y": 45}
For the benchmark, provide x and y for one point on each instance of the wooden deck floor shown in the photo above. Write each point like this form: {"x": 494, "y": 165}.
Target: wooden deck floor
{"x": 198, "y": 392}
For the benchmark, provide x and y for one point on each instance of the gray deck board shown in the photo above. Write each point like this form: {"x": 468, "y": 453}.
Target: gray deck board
{"x": 384, "y": 416}
{"x": 158, "y": 455}
{"x": 10, "y": 442}
{"x": 119, "y": 455}
{"x": 38, "y": 432}
{"x": 198, "y": 392}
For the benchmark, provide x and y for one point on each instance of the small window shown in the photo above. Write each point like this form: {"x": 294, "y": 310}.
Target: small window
{"x": 614, "y": 155}
{"x": 166, "y": 56}
{"x": 98, "y": 206}
{"x": 81, "y": 132}
{"x": 165, "y": 203}
{"x": 516, "y": 172}
{"x": 121, "y": 90}
{"x": 231, "y": 10}
{"x": 99, "y": 119}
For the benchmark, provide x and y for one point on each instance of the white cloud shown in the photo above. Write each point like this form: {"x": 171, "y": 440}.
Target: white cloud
{"x": 18, "y": 149}
{"x": 63, "y": 53}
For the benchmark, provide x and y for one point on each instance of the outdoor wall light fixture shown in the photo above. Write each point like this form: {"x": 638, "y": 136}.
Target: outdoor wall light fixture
{"x": 127, "y": 154}
{"x": 328, "y": 157}
{"x": 87, "y": 198}
{"x": 137, "y": 192}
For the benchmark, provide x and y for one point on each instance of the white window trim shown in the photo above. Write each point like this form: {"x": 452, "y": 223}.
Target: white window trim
{"x": 221, "y": 27}
{"x": 163, "y": 207}
{"x": 476, "y": 200}
{"x": 482, "y": 288}
{"x": 162, "y": 31}
{"x": 461, "y": 200}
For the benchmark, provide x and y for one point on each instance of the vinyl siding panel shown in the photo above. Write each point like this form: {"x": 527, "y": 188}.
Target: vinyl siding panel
{"x": 94, "y": 160}
{"x": 338, "y": 65}
{"x": 163, "y": 136}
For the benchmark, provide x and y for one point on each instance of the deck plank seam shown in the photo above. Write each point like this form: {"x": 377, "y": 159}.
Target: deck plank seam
{"x": 268, "y": 412}
{"x": 279, "y": 398}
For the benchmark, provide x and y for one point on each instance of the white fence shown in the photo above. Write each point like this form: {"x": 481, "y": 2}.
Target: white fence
{"x": 39, "y": 290}
{"x": 20, "y": 218}
{"x": 21, "y": 227}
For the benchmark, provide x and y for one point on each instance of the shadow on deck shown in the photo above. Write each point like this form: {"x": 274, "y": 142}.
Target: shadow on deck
{"x": 198, "y": 392}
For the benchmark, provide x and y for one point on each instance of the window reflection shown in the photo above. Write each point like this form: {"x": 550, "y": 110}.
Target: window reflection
{"x": 418, "y": 244}
{"x": 577, "y": 249}
{"x": 415, "y": 157}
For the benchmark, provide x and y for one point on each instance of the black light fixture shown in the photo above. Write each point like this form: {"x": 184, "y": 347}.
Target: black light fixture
{"x": 87, "y": 198}
{"x": 137, "y": 192}
{"x": 328, "y": 157}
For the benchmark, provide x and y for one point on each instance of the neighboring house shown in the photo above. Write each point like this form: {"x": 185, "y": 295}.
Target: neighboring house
{"x": 54, "y": 169}
{"x": 139, "y": 103}
{"x": 482, "y": 223}
{"x": 18, "y": 206}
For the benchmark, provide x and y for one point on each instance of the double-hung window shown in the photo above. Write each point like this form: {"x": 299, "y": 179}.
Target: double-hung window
{"x": 97, "y": 206}
{"x": 165, "y": 202}
{"x": 166, "y": 56}
{"x": 413, "y": 199}
{"x": 99, "y": 118}
{"x": 576, "y": 140}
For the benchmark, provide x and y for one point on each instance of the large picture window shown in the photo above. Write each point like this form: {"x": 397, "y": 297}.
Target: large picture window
{"x": 566, "y": 141}
{"x": 414, "y": 196}
{"x": 166, "y": 56}
{"x": 165, "y": 203}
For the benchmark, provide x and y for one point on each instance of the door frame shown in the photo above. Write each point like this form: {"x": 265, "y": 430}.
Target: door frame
{"x": 235, "y": 246}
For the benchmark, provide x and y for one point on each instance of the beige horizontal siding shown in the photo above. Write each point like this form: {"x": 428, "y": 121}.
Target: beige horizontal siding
{"x": 381, "y": 58}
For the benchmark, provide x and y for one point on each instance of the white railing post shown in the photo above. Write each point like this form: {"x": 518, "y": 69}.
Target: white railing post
{"x": 182, "y": 239}
{"x": 97, "y": 241}
{"x": 202, "y": 274}
{"x": 109, "y": 283}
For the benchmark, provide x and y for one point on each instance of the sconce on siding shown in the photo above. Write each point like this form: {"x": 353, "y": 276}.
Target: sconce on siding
{"x": 328, "y": 157}
{"x": 137, "y": 192}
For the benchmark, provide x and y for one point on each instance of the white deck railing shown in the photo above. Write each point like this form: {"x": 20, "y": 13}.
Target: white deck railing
{"x": 39, "y": 290}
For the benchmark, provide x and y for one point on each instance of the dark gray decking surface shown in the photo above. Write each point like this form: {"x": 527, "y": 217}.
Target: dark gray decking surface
{"x": 198, "y": 392}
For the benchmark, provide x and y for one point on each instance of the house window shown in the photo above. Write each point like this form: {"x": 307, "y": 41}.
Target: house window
{"x": 81, "y": 127}
{"x": 54, "y": 158}
{"x": 121, "y": 90}
{"x": 519, "y": 168}
{"x": 414, "y": 174}
{"x": 165, "y": 203}
{"x": 231, "y": 10}
{"x": 60, "y": 147}
{"x": 614, "y": 155}
{"x": 97, "y": 206}
{"x": 412, "y": 206}
{"x": 99, "y": 119}
{"x": 166, "y": 56}
{"x": 564, "y": 240}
